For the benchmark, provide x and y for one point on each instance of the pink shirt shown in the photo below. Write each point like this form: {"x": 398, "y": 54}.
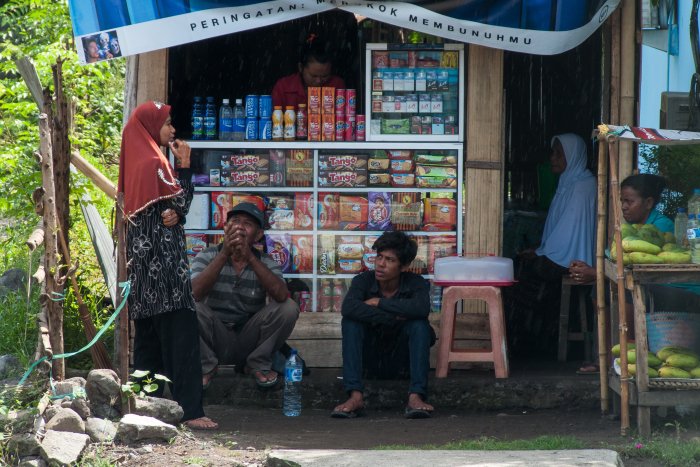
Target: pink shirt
{"x": 290, "y": 90}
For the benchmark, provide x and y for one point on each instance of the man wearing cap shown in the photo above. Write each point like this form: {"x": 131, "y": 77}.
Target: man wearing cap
{"x": 231, "y": 283}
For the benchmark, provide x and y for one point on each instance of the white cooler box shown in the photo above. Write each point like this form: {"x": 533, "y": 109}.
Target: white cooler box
{"x": 460, "y": 270}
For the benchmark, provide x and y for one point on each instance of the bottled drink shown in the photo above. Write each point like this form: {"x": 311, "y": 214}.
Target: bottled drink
{"x": 292, "y": 386}
{"x": 694, "y": 238}
{"x": 210, "y": 119}
{"x": 277, "y": 124}
{"x": 680, "y": 227}
{"x": 694, "y": 203}
{"x": 225, "y": 121}
{"x": 238, "y": 121}
{"x": 290, "y": 120}
{"x": 435, "y": 298}
{"x": 301, "y": 129}
{"x": 197, "y": 119}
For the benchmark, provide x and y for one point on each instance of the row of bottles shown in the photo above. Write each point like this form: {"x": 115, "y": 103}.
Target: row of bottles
{"x": 231, "y": 120}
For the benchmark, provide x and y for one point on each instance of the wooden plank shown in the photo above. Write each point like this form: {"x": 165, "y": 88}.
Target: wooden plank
{"x": 322, "y": 326}
{"x": 629, "y": 49}
{"x": 152, "y": 81}
{"x": 328, "y": 353}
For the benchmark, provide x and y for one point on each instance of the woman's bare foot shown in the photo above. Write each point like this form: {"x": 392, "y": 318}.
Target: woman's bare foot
{"x": 415, "y": 401}
{"x": 201, "y": 423}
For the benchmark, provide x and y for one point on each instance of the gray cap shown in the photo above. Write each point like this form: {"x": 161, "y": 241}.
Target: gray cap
{"x": 250, "y": 209}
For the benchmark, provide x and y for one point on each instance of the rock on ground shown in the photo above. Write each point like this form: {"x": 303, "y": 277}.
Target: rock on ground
{"x": 163, "y": 409}
{"x": 23, "y": 445}
{"x": 66, "y": 420}
{"x": 100, "y": 430}
{"x": 134, "y": 428}
{"x": 104, "y": 393}
{"x": 63, "y": 448}
{"x": 9, "y": 366}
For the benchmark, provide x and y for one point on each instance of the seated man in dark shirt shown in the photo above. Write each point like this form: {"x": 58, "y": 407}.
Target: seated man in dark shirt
{"x": 385, "y": 314}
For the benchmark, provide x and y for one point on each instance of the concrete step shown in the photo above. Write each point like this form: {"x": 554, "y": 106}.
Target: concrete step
{"x": 530, "y": 386}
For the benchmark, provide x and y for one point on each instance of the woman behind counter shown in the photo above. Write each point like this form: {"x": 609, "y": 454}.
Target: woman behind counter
{"x": 315, "y": 69}
{"x": 160, "y": 303}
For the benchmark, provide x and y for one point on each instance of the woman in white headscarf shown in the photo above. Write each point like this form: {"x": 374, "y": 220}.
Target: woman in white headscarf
{"x": 569, "y": 234}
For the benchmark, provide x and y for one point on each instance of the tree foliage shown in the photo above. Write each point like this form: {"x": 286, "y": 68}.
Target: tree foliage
{"x": 680, "y": 166}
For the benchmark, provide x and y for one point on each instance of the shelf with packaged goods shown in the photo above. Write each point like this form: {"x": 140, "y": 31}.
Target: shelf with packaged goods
{"x": 349, "y": 276}
{"x": 325, "y": 145}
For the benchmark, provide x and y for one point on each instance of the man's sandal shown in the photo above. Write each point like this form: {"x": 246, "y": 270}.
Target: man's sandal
{"x": 266, "y": 383}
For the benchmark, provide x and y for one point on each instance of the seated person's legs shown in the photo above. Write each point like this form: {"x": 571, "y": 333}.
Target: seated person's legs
{"x": 354, "y": 333}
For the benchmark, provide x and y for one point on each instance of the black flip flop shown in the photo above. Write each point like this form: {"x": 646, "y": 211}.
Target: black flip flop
{"x": 415, "y": 414}
{"x": 263, "y": 384}
{"x": 344, "y": 414}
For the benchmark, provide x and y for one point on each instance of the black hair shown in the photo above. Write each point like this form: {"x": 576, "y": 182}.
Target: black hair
{"x": 404, "y": 247}
{"x": 313, "y": 48}
{"x": 647, "y": 185}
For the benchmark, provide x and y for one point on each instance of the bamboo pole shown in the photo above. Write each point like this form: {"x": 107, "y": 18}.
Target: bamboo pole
{"x": 600, "y": 273}
{"x": 122, "y": 335}
{"x": 87, "y": 169}
{"x": 620, "y": 279}
{"x": 628, "y": 68}
{"x": 54, "y": 309}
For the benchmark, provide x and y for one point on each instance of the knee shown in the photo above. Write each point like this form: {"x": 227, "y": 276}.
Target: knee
{"x": 289, "y": 310}
{"x": 418, "y": 329}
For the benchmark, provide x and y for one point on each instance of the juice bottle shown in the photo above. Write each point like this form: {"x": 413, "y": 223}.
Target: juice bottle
{"x": 289, "y": 123}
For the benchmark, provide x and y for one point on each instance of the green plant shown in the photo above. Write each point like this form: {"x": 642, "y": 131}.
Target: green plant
{"x": 492, "y": 444}
{"x": 144, "y": 383}
{"x": 680, "y": 166}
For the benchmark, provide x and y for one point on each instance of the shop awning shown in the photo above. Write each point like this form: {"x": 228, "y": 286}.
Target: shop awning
{"x": 107, "y": 29}
{"x": 659, "y": 137}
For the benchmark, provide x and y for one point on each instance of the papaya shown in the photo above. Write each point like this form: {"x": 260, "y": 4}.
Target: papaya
{"x": 669, "y": 350}
{"x": 675, "y": 257}
{"x": 695, "y": 373}
{"x": 653, "y": 373}
{"x": 653, "y": 361}
{"x": 632, "y": 370}
{"x": 669, "y": 237}
{"x": 671, "y": 372}
{"x": 636, "y": 244}
{"x": 615, "y": 349}
{"x": 651, "y": 236}
{"x": 679, "y": 360}
{"x": 627, "y": 230}
{"x": 637, "y": 257}
{"x": 672, "y": 246}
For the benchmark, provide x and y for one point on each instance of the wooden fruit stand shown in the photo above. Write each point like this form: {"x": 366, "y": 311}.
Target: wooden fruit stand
{"x": 640, "y": 390}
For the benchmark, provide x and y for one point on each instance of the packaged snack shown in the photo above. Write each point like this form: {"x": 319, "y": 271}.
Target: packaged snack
{"x": 315, "y": 127}
{"x": 279, "y": 202}
{"x": 349, "y": 266}
{"x": 225, "y": 177}
{"x": 353, "y": 212}
{"x": 314, "y": 100}
{"x": 254, "y": 162}
{"x": 436, "y": 227}
{"x": 376, "y": 164}
{"x": 420, "y": 263}
{"x": 336, "y": 179}
{"x": 405, "y": 211}
{"x": 349, "y": 247}
{"x": 221, "y": 204}
{"x": 378, "y": 179}
{"x": 327, "y": 127}
{"x": 395, "y": 126}
{"x": 328, "y": 211}
{"x": 215, "y": 177}
{"x": 380, "y": 59}
{"x": 435, "y": 171}
{"x": 350, "y": 162}
{"x": 244, "y": 198}
{"x": 327, "y": 100}
{"x": 440, "y": 211}
{"x": 278, "y": 167}
{"x": 200, "y": 179}
{"x": 402, "y": 180}
{"x": 379, "y": 211}
{"x": 326, "y": 254}
{"x": 300, "y": 176}
{"x": 281, "y": 219}
{"x": 436, "y": 182}
{"x": 194, "y": 243}
{"x": 402, "y": 166}
{"x": 248, "y": 178}
{"x": 278, "y": 248}
{"x": 437, "y": 159}
{"x": 225, "y": 162}
{"x": 440, "y": 246}
{"x": 302, "y": 254}
{"x": 303, "y": 210}
{"x": 369, "y": 255}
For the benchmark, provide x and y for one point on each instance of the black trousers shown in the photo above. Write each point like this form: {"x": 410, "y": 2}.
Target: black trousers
{"x": 168, "y": 344}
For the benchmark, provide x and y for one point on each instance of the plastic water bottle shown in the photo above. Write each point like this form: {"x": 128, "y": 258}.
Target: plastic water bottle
{"x": 225, "y": 121}
{"x": 238, "y": 121}
{"x": 694, "y": 203}
{"x": 680, "y": 227}
{"x": 694, "y": 238}
{"x": 210, "y": 119}
{"x": 197, "y": 119}
{"x": 292, "y": 386}
{"x": 435, "y": 298}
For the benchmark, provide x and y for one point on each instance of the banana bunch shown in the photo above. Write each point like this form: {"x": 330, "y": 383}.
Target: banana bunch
{"x": 645, "y": 244}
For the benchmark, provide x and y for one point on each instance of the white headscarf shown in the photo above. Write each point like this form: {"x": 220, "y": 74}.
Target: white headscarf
{"x": 569, "y": 232}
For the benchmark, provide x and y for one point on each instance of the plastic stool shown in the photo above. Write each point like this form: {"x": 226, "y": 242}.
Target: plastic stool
{"x": 568, "y": 285}
{"x": 446, "y": 353}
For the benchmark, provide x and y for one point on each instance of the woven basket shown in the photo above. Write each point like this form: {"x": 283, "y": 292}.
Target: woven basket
{"x": 679, "y": 329}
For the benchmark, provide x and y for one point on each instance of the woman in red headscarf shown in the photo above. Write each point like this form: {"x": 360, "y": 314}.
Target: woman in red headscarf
{"x": 156, "y": 202}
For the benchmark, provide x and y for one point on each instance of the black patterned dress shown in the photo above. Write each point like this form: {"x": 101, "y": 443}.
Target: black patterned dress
{"x": 157, "y": 262}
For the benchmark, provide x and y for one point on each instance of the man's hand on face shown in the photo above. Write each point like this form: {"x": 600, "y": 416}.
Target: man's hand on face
{"x": 228, "y": 239}
{"x": 240, "y": 249}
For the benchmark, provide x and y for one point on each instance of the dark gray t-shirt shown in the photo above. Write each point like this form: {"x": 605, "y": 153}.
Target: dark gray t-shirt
{"x": 234, "y": 298}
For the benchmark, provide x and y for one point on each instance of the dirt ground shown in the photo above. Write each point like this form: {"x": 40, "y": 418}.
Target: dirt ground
{"x": 245, "y": 434}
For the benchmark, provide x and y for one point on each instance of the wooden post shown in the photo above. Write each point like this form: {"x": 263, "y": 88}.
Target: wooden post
{"x": 628, "y": 71}
{"x": 121, "y": 337}
{"x": 152, "y": 81}
{"x": 60, "y": 124}
{"x": 622, "y": 315}
{"x": 130, "y": 86}
{"x": 54, "y": 309}
{"x": 600, "y": 273}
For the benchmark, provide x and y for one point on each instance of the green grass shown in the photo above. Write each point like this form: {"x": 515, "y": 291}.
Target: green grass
{"x": 670, "y": 451}
{"x": 493, "y": 444}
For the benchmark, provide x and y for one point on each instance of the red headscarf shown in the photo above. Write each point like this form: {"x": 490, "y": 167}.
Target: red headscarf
{"x": 145, "y": 175}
